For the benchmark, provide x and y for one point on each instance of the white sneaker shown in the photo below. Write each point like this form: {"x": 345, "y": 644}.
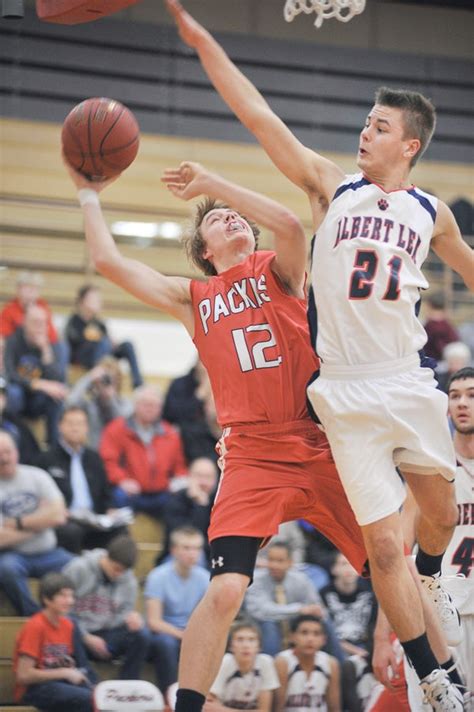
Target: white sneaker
{"x": 447, "y": 611}
{"x": 440, "y": 693}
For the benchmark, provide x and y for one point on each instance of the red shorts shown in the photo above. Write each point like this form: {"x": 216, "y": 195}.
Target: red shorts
{"x": 278, "y": 473}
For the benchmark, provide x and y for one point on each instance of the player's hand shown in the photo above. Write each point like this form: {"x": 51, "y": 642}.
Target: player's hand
{"x": 187, "y": 181}
{"x": 189, "y": 29}
{"x": 384, "y": 662}
{"x": 130, "y": 486}
{"x": 80, "y": 181}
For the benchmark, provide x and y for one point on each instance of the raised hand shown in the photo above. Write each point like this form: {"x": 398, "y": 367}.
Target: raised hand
{"x": 187, "y": 181}
{"x": 189, "y": 29}
{"x": 80, "y": 181}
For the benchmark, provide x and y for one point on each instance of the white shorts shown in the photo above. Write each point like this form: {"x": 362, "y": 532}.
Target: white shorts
{"x": 378, "y": 418}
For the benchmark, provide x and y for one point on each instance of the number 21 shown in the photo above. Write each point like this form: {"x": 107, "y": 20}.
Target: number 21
{"x": 365, "y": 268}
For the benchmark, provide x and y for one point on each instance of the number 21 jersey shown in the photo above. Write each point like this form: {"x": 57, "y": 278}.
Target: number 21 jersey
{"x": 366, "y": 273}
{"x": 253, "y": 339}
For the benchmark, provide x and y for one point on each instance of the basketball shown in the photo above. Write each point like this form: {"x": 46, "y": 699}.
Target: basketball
{"x": 100, "y": 138}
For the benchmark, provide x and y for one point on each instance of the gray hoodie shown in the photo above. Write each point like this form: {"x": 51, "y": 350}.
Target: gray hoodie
{"x": 100, "y": 603}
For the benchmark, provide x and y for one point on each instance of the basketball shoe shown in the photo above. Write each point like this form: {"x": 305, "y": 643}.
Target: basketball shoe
{"x": 447, "y": 611}
{"x": 440, "y": 693}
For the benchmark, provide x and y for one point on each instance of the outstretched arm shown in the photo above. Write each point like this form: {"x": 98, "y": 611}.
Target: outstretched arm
{"x": 191, "y": 179}
{"x": 448, "y": 244}
{"x": 310, "y": 171}
{"x": 170, "y": 294}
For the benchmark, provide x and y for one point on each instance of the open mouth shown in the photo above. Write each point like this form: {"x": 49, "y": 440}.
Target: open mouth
{"x": 235, "y": 226}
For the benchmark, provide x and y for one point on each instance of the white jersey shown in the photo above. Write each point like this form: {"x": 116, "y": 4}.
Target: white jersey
{"x": 366, "y": 273}
{"x": 303, "y": 692}
{"x": 241, "y": 691}
{"x": 459, "y": 556}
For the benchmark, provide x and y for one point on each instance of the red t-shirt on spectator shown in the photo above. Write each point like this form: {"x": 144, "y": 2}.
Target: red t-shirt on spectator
{"x": 49, "y": 645}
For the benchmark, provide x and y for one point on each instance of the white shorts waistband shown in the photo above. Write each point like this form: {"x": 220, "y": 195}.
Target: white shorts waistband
{"x": 369, "y": 370}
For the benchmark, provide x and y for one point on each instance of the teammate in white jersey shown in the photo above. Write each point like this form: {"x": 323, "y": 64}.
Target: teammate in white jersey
{"x": 379, "y": 406}
{"x": 309, "y": 677}
{"x": 459, "y": 557}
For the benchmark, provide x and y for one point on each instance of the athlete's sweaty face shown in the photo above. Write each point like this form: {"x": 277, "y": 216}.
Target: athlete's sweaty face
{"x": 225, "y": 230}
{"x": 382, "y": 143}
{"x": 461, "y": 405}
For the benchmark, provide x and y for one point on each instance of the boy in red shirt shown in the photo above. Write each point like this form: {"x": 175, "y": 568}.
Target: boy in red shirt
{"x": 50, "y": 664}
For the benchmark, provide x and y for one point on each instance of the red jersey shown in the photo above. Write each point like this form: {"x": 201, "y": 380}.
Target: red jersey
{"x": 13, "y": 315}
{"x": 49, "y": 645}
{"x": 253, "y": 339}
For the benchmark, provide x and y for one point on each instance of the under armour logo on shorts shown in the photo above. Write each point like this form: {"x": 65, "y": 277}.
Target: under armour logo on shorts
{"x": 217, "y": 562}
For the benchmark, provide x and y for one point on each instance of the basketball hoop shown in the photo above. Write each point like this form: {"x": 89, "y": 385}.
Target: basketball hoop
{"x": 343, "y": 10}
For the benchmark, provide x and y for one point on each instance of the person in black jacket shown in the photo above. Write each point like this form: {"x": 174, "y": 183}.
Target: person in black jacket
{"x": 26, "y": 443}
{"x": 89, "y": 339}
{"x": 191, "y": 506}
{"x": 36, "y": 378}
{"x": 80, "y": 475}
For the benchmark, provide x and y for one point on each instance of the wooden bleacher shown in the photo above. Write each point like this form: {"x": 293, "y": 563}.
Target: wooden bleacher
{"x": 149, "y": 535}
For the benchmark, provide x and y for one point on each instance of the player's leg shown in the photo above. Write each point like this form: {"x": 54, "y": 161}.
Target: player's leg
{"x": 205, "y": 637}
{"x": 435, "y": 524}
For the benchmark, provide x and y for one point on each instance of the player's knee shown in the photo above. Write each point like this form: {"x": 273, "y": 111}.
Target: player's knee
{"x": 445, "y": 516}
{"x": 385, "y": 552}
{"x": 228, "y": 591}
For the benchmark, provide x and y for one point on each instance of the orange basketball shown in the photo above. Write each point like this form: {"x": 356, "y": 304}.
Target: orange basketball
{"x": 100, "y": 138}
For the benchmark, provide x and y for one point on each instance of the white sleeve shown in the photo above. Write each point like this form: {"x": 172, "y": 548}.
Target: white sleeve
{"x": 218, "y": 686}
{"x": 270, "y": 680}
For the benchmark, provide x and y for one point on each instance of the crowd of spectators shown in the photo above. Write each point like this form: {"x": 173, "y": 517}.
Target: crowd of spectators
{"x": 107, "y": 447}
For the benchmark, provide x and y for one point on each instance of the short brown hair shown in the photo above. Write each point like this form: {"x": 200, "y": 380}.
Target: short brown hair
{"x": 123, "y": 550}
{"x": 419, "y": 114}
{"x": 193, "y": 240}
{"x": 51, "y": 584}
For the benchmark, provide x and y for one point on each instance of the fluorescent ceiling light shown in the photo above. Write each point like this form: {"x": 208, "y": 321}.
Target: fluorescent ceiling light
{"x": 148, "y": 230}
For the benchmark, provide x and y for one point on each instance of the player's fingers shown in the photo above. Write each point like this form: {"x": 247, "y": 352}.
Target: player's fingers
{"x": 172, "y": 177}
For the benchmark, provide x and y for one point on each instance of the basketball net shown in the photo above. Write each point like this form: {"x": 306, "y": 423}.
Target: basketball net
{"x": 343, "y": 10}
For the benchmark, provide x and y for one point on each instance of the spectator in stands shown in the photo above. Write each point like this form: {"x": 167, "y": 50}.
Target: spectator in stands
{"x": 88, "y": 336}
{"x": 80, "y": 475}
{"x": 142, "y": 454}
{"x": 182, "y": 402}
{"x": 100, "y": 392}
{"x": 35, "y": 377}
{"x": 50, "y": 663}
{"x": 318, "y": 550}
{"x": 466, "y": 332}
{"x": 31, "y": 506}
{"x": 246, "y": 678}
{"x": 201, "y": 435}
{"x": 351, "y": 605}
{"x": 28, "y": 286}
{"x": 25, "y": 441}
{"x": 456, "y": 356}
{"x": 439, "y": 329}
{"x": 172, "y": 592}
{"x": 280, "y": 593}
{"x": 106, "y": 592}
{"x": 309, "y": 677}
{"x": 192, "y": 504}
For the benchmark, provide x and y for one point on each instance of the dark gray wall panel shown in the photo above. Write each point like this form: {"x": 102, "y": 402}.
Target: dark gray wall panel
{"x": 323, "y": 93}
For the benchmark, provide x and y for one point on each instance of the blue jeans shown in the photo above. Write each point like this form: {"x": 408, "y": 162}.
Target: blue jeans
{"x": 152, "y": 503}
{"x": 164, "y": 654}
{"x": 89, "y": 354}
{"x": 16, "y": 568}
{"x": 35, "y": 404}
{"x": 131, "y": 646}
{"x": 58, "y": 696}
